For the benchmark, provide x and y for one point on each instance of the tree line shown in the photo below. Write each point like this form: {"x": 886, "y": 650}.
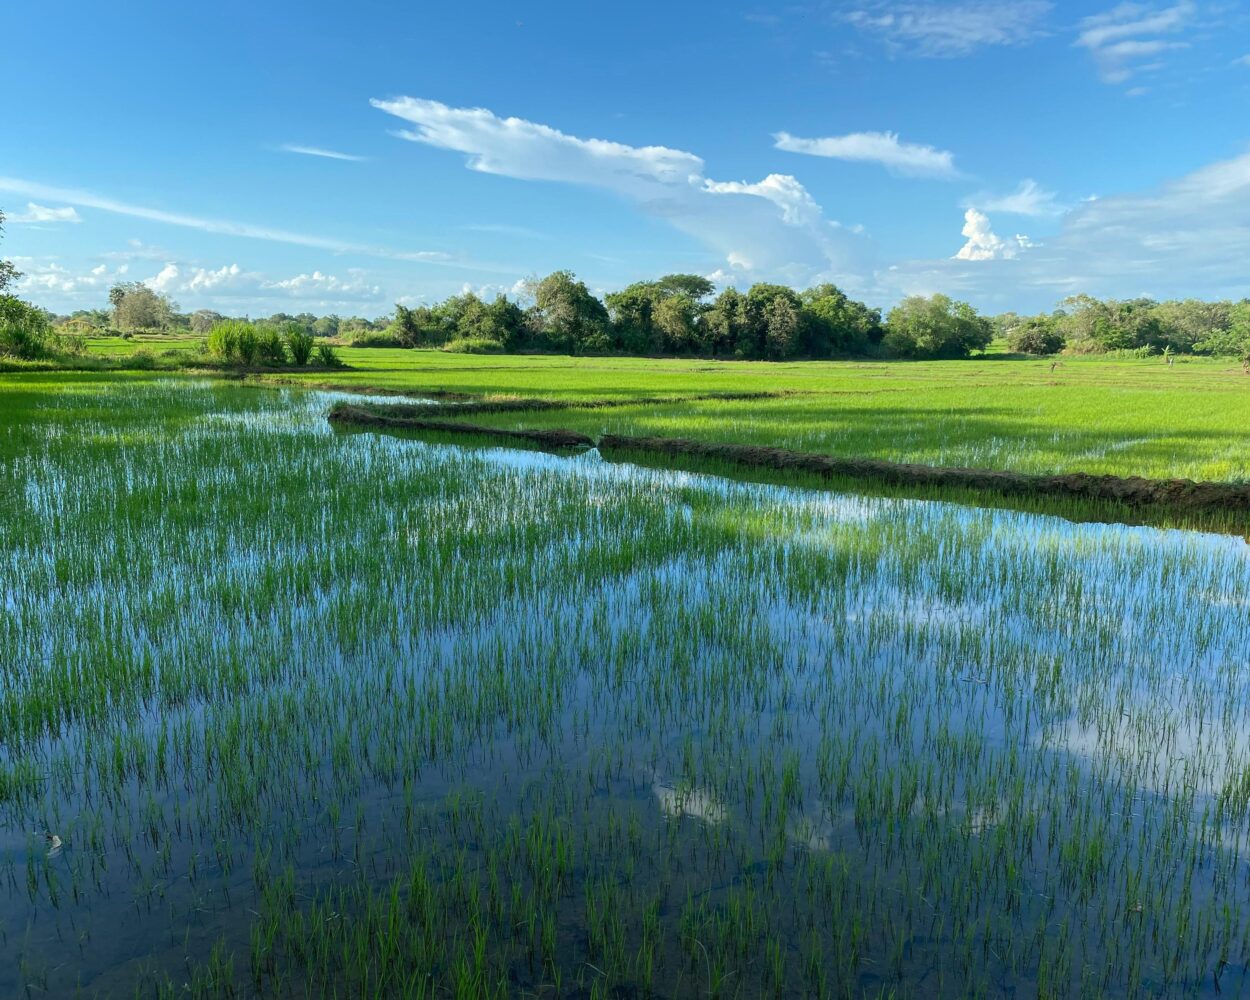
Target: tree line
{"x": 675, "y": 315}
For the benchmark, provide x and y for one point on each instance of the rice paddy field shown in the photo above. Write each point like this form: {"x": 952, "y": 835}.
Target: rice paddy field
{"x": 1096, "y": 415}
{"x": 298, "y": 712}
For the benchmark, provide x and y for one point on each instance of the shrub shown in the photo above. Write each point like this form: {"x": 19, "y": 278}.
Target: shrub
{"x": 1035, "y": 336}
{"x": 25, "y": 331}
{"x": 299, "y": 343}
{"x": 473, "y": 345}
{"x": 374, "y": 338}
{"x": 142, "y": 359}
{"x": 328, "y": 357}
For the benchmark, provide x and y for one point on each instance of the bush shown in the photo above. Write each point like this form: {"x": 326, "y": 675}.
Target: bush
{"x": 327, "y": 357}
{"x": 25, "y": 331}
{"x": 1035, "y": 336}
{"x": 473, "y": 345}
{"x": 299, "y": 343}
{"x": 373, "y": 338}
{"x": 142, "y": 359}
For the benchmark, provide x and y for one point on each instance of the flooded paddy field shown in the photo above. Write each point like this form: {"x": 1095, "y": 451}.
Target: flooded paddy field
{"x": 292, "y": 712}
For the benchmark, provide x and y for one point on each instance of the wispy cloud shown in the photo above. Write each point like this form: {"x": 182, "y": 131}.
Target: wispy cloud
{"x": 87, "y": 199}
{"x": 768, "y": 227}
{"x": 951, "y": 29}
{"x": 885, "y": 148}
{"x": 328, "y": 154}
{"x": 1030, "y": 198}
{"x": 37, "y": 214}
{"x": 1122, "y": 37}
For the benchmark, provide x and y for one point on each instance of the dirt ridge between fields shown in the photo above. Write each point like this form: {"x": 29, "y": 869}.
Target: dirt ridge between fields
{"x": 1133, "y": 491}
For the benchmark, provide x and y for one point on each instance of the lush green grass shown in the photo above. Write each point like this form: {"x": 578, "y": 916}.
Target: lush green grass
{"x": 154, "y": 342}
{"x": 1139, "y": 417}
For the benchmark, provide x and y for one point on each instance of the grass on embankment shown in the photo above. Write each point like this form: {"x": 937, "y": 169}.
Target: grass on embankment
{"x": 1102, "y": 417}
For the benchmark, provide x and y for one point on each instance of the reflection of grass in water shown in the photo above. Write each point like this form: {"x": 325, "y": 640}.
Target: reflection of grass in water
{"x": 356, "y": 713}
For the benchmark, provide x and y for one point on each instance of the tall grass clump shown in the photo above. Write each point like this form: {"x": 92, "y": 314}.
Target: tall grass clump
{"x": 299, "y": 344}
{"x": 234, "y": 341}
{"x": 328, "y": 357}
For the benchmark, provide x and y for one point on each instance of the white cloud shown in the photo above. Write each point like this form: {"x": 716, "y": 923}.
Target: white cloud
{"x": 48, "y": 277}
{"x": 773, "y": 222}
{"x": 885, "y": 148}
{"x": 983, "y": 243}
{"x": 328, "y": 154}
{"x": 233, "y": 283}
{"x": 87, "y": 199}
{"x": 952, "y": 29}
{"x": 1242, "y": 61}
{"x": 1187, "y": 238}
{"x": 1030, "y": 198}
{"x": 42, "y": 214}
{"x": 1119, "y": 38}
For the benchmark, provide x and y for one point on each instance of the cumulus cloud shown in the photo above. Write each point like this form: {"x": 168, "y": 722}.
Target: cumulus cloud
{"x": 774, "y": 223}
{"x": 327, "y": 154}
{"x": 1122, "y": 37}
{"x": 233, "y": 282}
{"x": 36, "y": 214}
{"x": 1030, "y": 198}
{"x": 983, "y": 243}
{"x": 885, "y": 148}
{"x": 951, "y": 29}
{"x": 41, "y": 278}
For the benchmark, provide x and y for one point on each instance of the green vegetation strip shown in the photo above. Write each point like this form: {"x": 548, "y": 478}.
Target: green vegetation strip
{"x": 549, "y": 438}
{"x": 460, "y": 405}
{"x": 1133, "y": 491}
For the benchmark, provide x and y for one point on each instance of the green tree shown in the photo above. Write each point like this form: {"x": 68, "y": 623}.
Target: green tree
{"x": 137, "y": 307}
{"x": 203, "y": 320}
{"x": 935, "y": 327}
{"x": 781, "y": 332}
{"x": 326, "y": 326}
{"x": 1233, "y": 340}
{"x": 724, "y": 321}
{"x": 404, "y": 327}
{"x": 837, "y": 324}
{"x": 567, "y": 316}
{"x": 1035, "y": 335}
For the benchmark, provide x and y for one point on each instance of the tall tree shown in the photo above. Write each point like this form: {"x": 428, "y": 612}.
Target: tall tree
{"x": 935, "y": 327}
{"x": 567, "y": 316}
{"x": 137, "y": 307}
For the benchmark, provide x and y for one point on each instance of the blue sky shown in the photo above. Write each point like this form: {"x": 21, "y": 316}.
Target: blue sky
{"x": 1006, "y": 153}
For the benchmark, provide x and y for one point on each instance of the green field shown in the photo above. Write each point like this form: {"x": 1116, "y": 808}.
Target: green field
{"x": 1139, "y": 417}
{"x": 316, "y": 713}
